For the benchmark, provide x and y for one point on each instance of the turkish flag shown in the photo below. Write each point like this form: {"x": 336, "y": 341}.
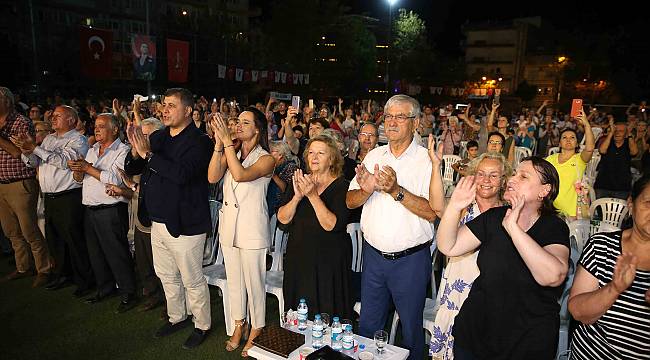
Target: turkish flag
{"x": 178, "y": 53}
{"x": 96, "y": 52}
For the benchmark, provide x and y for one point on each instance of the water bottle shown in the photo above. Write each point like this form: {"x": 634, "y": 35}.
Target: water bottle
{"x": 317, "y": 332}
{"x": 302, "y": 315}
{"x": 348, "y": 338}
{"x": 337, "y": 334}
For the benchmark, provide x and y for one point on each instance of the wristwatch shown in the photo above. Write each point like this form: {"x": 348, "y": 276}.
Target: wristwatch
{"x": 148, "y": 155}
{"x": 400, "y": 194}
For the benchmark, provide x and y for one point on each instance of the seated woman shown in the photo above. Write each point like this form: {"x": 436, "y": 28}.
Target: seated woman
{"x": 512, "y": 309}
{"x": 570, "y": 166}
{"x": 490, "y": 171}
{"x": 610, "y": 296}
{"x": 319, "y": 250}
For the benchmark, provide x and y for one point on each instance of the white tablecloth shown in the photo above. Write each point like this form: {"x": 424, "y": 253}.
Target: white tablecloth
{"x": 390, "y": 352}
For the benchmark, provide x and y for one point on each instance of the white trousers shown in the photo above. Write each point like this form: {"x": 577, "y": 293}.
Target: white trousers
{"x": 179, "y": 265}
{"x": 246, "y": 273}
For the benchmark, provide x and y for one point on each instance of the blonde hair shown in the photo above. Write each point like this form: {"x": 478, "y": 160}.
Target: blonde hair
{"x": 336, "y": 159}
{"x": 506, "y": 169}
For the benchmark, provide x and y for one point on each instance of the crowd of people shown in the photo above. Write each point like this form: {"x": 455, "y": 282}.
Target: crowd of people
{"x": 317, "y": 169}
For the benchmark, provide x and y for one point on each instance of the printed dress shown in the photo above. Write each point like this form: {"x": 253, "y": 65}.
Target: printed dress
{"x": 456, "y": 281}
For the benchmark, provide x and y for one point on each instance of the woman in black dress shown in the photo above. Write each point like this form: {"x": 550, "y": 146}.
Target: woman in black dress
{"x": 512, "y": 311}
{"x": 318, "y": 263}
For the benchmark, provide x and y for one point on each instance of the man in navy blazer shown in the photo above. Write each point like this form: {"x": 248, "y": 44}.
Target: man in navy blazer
{"x": 175, "y": 186}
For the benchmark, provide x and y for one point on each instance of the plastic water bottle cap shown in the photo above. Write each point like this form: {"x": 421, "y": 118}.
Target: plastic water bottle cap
{"x": 362, "y": 347}
{"x": 302, "y": 300}
{"x": 336, "y": 318}
{"x": 317, "y": 317}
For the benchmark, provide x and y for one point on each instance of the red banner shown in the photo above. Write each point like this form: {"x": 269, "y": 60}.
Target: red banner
{"x": 177, "y": 60}
{"x": 96, "y": 52}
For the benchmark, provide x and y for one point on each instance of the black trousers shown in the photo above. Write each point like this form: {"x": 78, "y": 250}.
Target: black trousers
{"x": 108, "y": 247}
{"x": 64, "y": 232}
{"x": 144, "y": 262}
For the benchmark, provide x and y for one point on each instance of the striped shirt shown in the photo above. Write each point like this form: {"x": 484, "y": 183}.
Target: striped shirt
{"x": 623, "y": 332}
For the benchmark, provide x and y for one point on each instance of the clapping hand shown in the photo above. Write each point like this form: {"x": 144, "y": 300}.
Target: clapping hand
{"x": 435, "y": 155}
{"x": 367, "y": 181}
{"x": 24, "y": 142}
{"x": 138, "y": 140}
{"x": 80, "y": 165}
{"x": 114, "y": 190}
{"x": 512, "y": 215}
{"x": 388, "y": 180}
{"x": 464, "y": 194}
{"x": 303, "y": 185}
{"x": 220, "y": 129}
{"x": 624, "y": 273}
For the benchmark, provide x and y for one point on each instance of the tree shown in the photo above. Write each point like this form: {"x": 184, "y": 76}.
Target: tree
{"x": 411, "y": 51}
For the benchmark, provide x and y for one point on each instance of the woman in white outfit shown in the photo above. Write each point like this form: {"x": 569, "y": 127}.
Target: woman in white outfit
{"x": 243, "y": 219}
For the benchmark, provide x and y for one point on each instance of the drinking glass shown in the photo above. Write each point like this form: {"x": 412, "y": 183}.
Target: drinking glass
{"x": 380, "y": 340}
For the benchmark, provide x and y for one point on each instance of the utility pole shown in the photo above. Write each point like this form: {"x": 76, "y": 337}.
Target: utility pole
{"x": 36, "y": 67}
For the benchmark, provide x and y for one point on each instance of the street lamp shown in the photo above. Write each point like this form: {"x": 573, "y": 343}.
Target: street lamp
{"x": 390, "y": 25}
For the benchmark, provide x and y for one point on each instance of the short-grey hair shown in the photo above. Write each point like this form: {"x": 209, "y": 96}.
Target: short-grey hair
{"x": 284, "y": 150}
{"x": 115, "y": 122}
{"x": 7, "y": 94}
{"x": 71, "y": 112}
{"x": 401, "y": 98}
{"x": 157, "y": 124}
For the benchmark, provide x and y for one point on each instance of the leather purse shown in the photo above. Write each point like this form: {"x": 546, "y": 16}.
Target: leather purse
{"x": 279, "y": 341}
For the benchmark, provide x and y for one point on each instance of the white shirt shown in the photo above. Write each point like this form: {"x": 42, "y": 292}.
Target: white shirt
{"x": 94, "y": 191}
{"x": 51, "y": 158}
{"x": 386, "y": 224}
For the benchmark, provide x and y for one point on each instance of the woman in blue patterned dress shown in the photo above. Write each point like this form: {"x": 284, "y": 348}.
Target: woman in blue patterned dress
{"x": 490, "y": 170}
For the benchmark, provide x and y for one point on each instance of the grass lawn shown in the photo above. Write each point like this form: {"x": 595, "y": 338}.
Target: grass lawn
{"x": 41, "y": 324}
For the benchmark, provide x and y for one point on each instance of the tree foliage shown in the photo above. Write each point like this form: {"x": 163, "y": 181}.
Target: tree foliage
{"x": 411, "y": 51}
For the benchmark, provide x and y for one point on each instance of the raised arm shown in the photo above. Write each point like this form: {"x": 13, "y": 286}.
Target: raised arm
{"x": 436, "y": 189}
{"x": 589, "y": 137}
{"x": 608, "y": 139}
{"x": 541, "y": 107}
{"x": 490, "y": 121}
{"x": 451, "y": 240}
{"x": 289, "y": 137}
{"x": 588, "y": 301}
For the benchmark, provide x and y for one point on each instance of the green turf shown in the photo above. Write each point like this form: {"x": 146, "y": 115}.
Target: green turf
{"x": 41, "y": 324}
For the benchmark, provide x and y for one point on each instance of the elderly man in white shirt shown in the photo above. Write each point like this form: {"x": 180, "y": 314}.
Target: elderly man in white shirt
{"x": 392, "y": 185}
{"x": 106, "y": 219}
{"x": 62, "y": 198}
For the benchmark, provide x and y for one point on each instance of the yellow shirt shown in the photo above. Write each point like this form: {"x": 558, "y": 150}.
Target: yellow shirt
{"x": 570, "y": 171}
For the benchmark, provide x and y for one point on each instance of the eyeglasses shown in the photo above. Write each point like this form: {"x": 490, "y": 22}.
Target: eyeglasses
{"x": 400, "y": 118}
{"x": 495, "y": 142}
{"x": 367, "y": 134}
{"x": 492, "y": 176}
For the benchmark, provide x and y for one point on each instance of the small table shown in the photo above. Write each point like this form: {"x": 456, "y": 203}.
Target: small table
{"x": 391, "y": 352}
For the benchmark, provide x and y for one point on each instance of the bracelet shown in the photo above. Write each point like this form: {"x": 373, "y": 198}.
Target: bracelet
{"x": 228, "y": 146}
{"x": 218, "y": 150}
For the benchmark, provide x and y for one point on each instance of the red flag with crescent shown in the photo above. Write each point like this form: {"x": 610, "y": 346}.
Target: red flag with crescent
{"x": 96, "y": 52}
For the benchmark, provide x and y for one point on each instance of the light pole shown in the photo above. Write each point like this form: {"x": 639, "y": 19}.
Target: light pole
{"x": 389, "y": 45}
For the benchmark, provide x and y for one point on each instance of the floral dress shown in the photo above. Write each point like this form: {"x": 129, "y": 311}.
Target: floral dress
{"x": 456, "y": 281}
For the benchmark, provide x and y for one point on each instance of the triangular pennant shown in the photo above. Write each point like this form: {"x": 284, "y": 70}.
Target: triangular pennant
{"x": 306, "y": 79}
{"x": 254, "y": 75}
{"x": 239, "y": 74}
{"x": 300, "y": 78}
{"x": 221, "y": 71}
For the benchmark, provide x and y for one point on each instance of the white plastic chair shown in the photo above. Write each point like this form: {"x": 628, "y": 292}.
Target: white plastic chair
{"x": 275, "y": 276}
{"x": 580, "y": 231}
{"x": 613, "y": 210}
{"x": 215, "y": 275}
{"x": 596, "y": 131}
{"x": 463, "y": 150}
{"x": 448, "y": 171}
{"x": 354, "y": 230}
{"x": 565, "y": 317}
{"x": 598, "y": 227}
{"x": 521, "y": 152}
{"x": 553, "y": 150}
